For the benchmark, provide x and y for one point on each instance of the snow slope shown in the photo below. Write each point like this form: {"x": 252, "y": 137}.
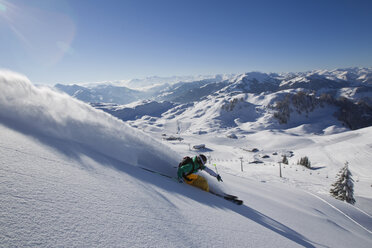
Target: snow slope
{"x": 70, "y": 176}
{"x": 44, "y": 113}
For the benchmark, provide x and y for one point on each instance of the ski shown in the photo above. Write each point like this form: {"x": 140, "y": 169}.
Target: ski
{"x": 235, "y": 201}
{"x": 231, "y": 198}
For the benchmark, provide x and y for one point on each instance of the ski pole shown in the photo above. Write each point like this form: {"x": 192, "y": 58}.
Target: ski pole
{"x": 215, "y": 166}
{"x": 218, "y": 175}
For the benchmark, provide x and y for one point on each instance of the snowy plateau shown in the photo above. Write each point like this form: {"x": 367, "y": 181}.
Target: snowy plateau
{"x": 72, "y": 161}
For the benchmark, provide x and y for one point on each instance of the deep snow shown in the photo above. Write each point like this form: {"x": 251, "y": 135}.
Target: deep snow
{"x": 70, "y": 176}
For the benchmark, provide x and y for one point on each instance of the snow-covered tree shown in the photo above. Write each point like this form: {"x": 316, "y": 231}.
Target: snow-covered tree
{"x": 285, "y": 159}
{"x": 343, "y": 188}
{"x": 305, "y": 162}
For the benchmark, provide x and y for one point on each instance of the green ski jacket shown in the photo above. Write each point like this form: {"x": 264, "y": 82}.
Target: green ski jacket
{"x": 189, "y": 168}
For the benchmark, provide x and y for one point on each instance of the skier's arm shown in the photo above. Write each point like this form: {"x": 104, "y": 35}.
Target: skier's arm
{"x": 180, "y": 172}
{"x": 210, "y": 172}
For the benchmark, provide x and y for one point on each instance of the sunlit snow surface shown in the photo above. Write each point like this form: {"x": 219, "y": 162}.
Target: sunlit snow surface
{"x": 70, "y": 176}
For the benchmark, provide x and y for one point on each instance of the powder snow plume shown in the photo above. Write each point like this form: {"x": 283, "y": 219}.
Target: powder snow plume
{"x": 42, "y": 112}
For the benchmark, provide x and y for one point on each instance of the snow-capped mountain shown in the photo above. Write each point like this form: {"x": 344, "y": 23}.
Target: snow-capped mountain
{"x": 253, "y": 82}
{"x": 136, "y": 110}
{"x": 101, "y": 93}
{"x": 356, "y": 75}
{"x": 357, "y": 79}
{"x": 156, "y": 80}
{"x": 313, "y": 81}
{"x": 261, "y": 101}
{"x": 72, "y": 175}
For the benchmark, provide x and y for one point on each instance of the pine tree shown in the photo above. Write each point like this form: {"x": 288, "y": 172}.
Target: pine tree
{"x": 343, "y": 188}
{"x": 305, "y": 162}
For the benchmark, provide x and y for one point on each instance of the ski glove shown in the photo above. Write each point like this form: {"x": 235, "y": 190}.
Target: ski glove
{"x": 219, "y": 178}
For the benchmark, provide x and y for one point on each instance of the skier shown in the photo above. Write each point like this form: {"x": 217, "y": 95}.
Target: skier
{"x": 189, "y": 166}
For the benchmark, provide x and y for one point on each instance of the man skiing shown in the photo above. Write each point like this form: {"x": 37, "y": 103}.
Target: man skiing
{"x": 189, "y": 166}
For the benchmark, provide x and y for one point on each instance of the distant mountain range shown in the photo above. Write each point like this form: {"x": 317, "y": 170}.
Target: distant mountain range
{"x": 248, "y": 98}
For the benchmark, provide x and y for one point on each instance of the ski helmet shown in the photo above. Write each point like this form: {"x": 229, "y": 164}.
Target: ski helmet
{"x": 203, "y": 159}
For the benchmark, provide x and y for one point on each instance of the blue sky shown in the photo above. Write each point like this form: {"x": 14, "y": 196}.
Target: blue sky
{"x": 69, "y": 41}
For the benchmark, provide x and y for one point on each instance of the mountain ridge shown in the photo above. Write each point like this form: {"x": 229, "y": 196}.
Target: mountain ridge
{"x": 277, "y": 101}
{"x": 251, "y": 82}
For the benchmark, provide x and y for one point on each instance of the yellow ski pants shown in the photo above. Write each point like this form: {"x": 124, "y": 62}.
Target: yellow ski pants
{"x": 198, "y": 181}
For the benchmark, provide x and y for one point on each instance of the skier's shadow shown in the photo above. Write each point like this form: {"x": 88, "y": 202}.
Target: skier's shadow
{"x": 274, "y": 225}
{"x": 257, "y": 217}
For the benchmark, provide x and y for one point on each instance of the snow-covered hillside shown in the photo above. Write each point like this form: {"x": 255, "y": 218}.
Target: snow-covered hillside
{"x": 71, "y": 176}
{"x": 238, "y": 113}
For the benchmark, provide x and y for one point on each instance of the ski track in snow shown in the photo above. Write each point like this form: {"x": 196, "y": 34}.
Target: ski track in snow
{"x": 347, "y": 216}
